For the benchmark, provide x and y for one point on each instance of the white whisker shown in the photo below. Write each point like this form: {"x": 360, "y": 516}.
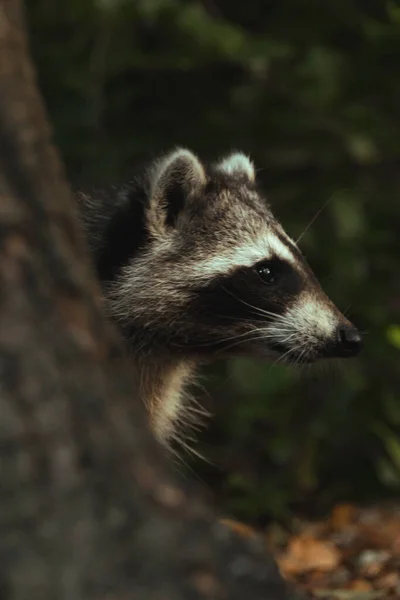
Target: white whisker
{"x": 258, "y": 310}
{"x": 315, "y": 217}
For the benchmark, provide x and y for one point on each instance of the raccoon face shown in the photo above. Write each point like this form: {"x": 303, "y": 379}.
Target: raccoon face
{"x": 218, "y": 275}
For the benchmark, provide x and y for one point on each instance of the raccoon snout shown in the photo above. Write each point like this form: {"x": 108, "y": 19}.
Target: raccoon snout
{"x": 347, "y": 342}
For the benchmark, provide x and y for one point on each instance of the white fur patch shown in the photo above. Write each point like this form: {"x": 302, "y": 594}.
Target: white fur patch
{"x": 237, "y": 164}
{"x": 312, "y": 317}
{"x": 167, "y": 407}
{"x": 263, "y": 248}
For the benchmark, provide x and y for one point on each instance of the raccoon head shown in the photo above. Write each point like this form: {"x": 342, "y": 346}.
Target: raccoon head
{"x": 217, "y": 273}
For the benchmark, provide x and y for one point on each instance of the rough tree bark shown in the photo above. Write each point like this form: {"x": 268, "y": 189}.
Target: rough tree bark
{"x": 88, "y": 507}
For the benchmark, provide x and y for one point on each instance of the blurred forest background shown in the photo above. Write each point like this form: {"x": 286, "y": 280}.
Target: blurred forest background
{"x": 311, "y": 90}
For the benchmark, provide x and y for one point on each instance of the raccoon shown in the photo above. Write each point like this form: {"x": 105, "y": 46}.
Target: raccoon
{"x": 193, "y": 266}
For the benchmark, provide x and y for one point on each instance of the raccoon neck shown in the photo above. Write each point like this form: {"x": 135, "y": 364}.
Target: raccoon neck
{"x": 162, "y": 384}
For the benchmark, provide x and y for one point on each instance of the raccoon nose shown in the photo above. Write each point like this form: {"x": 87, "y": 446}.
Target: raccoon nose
{"x": 349, "y": 340}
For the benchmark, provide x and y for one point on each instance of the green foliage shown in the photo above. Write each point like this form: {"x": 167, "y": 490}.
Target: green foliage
{"x": 311, "y": 91}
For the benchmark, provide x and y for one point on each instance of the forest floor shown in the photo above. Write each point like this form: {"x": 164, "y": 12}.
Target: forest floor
{"x": 353, "y": 554}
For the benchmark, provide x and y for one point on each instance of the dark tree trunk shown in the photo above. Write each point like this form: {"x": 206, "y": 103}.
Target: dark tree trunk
{"x": 88, "y": 507}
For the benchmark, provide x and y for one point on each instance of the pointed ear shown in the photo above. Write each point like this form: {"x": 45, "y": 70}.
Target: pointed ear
{"x": 172, "y": 180}
{"x": 239, "y": 165}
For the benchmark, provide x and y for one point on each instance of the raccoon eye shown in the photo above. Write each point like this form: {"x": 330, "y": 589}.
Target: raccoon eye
{"x": 267, "y": 273}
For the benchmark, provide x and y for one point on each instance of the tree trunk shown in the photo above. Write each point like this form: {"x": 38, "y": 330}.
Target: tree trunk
{"x": 88, "y": 506}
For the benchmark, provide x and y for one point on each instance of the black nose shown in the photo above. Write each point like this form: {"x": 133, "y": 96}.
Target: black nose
{"x": 349, "y": 340}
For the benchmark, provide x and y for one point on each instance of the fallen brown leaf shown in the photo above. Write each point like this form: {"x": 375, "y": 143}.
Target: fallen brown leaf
{"x": 360, "y": 585}
{"x": 342, "y": 516}
{"x": 305, "y": 553}
{"x": 390, "y": 581}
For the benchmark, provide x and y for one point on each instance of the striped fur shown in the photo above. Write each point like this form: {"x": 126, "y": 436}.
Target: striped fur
{"x": 182, "y": 253}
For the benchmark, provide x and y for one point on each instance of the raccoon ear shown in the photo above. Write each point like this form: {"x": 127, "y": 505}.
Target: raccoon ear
{"x": 172, "y": 180}
{"x": 238, "y": 164}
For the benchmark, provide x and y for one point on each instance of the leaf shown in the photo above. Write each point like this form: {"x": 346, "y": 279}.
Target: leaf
{"x": 305, "y": 553}
{"x": 393, "y": 335}
{"x": 342, "y": 516}
{"x": 362, "y": 148}
{"x": 348, "y": 594}
{"x": 360, "y": 585}
{"x": 391, "y": 442}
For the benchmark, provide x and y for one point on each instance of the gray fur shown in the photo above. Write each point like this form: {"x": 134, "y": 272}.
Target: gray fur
{"x": 193, "y": 289}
